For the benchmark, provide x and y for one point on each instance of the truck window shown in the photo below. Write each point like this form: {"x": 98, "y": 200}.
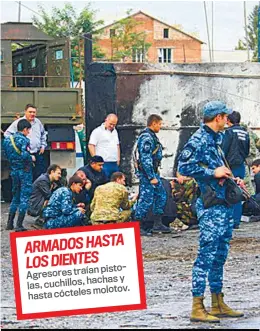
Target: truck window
{"x": 59, "y": 54}
{"x": 33, "y": 62}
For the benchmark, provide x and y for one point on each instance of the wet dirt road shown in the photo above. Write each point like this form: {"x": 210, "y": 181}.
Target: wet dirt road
{"x": 167, "y": 266}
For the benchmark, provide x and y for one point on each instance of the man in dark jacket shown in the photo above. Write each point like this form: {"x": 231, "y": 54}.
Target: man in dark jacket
{"x": 236, "y": 146}
{"x": 94, "y": 172}
{"x": 42, "y": 190}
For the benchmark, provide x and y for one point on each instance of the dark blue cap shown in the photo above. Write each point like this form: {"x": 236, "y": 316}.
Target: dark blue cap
{"x": 96, "y": 158}
{"x": 213, "y": 108}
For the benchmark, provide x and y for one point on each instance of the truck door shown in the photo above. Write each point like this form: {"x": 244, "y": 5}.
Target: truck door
{"x": 58, "y": 63}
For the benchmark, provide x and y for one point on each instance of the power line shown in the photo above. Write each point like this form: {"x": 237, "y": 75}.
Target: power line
{"x": 19, "y": 11}
{"x": 212, "y": 30}
{"x": 247, "y": 45}
{"x": 21, "y": 4}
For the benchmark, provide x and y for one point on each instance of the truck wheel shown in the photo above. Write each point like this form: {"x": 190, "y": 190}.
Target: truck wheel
{"x": 6, "y": 190}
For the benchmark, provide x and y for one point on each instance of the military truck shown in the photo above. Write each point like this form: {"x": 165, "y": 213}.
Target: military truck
{"x": 35, "y": 69}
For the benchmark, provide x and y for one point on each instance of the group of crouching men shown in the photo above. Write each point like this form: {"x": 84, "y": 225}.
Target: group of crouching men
{"x": 90, "y": 198}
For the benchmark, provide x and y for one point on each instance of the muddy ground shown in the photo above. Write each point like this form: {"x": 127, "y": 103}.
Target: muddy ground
{"x": 167, "y": 266}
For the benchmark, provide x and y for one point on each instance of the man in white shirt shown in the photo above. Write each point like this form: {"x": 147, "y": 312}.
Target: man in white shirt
{"x": 37, "y": 137}
{"x": 104, "y": 141}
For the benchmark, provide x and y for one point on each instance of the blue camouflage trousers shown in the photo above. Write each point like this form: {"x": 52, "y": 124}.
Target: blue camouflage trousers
{"x": 216, "y": 225}
{"x": 150, "y": 196}
{"x": 21, "y": 189}
{"x": 64, "y": 221}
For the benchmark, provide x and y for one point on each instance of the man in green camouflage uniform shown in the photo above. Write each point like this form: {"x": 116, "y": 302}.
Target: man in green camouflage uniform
{"x": 110, "y": 203}
{"x": 184, "y": 191}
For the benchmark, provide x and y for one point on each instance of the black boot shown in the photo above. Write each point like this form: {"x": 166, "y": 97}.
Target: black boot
{"x": 158, "y": 227}
{"x": 39, "y": 223}
{"x": 143, "y": 232}
{"x": 10, "y": 222}
{"x": 19, "y": 225}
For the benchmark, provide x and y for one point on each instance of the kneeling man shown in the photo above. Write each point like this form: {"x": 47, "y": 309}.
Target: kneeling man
{"x": 111, "y": 203}
{"x": 61, "y": 211}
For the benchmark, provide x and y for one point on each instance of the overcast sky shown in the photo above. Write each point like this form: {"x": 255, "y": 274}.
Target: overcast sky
{"x": 228, "y": 15}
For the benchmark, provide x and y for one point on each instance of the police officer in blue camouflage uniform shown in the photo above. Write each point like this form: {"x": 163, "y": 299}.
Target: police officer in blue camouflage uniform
{"x": 61, "y": 210}
{"x": 17, "y": 151}
{"x": 201, "y": 159}
{"x": 151, "y": 191}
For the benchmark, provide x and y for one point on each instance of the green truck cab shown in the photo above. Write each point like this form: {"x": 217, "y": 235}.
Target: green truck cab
{"x": 35, "y": 69}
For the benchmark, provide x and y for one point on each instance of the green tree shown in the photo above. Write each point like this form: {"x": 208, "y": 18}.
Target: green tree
{"x": 66, "y": 23}
{"x": 240, "y": 46}
{"x": 126, "y": 41}
{"x": 252, "y": 31}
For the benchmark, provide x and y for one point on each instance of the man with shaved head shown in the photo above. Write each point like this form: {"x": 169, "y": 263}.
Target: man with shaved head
{"x": 104, "y": 142}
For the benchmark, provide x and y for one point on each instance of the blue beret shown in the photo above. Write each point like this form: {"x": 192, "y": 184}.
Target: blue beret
{"x": 213, "y": 108}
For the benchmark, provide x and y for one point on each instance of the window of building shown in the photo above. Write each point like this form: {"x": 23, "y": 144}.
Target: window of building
{"x": 165, "y": 33}
{"x": 1, "y": 56}
{"x": 138, "y": 55}
{"x": 59, "y": 54}
{"x": 19, "y": 67}
{"x": 164, "y": 55}
{"x": 112, "y": 32}
{"x": 33, "y": 63}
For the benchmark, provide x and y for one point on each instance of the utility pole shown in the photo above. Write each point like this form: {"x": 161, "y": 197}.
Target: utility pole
{"x": 19, "y": 11}
{"x": 206, "y": 16}
{"x": 80, "y": 72}
{"x": 259, "y": 32}
{"x": 87, "y": 61}
{"x": 245, "y": 22}
{"x": 212, "y": 29}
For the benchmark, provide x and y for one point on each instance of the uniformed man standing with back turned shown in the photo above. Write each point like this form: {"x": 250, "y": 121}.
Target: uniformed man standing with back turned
{"x": 17, "y": 151}
{"x": 202, "y": 159}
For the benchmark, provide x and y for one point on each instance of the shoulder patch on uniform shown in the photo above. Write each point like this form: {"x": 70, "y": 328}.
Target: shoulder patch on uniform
{"x": 187, "y": 153}
{"x": 147, "y": 146}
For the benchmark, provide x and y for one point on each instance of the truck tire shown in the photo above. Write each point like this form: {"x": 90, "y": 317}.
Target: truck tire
{"x": 6, "y": 190}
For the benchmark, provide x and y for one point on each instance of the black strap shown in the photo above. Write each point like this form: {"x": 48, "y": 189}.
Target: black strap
{"x": 247, "y": 194}
{"x": 158, "y": 144}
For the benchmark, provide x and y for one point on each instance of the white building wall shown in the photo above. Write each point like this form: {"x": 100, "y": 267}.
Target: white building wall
{"x": 168, "y": 95}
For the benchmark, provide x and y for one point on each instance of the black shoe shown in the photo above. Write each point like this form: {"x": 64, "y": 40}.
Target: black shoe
{"x": 236, "y": 226}
{"x": 10, "y": 222}
{"x": 193, "y": 227}
{"x": 145, "y": 233}
{"x": 39, "y": 223}
{"x": 161, "y": 229}
{"x": 19, "y": 225}
{"x": 254, "y": 219}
